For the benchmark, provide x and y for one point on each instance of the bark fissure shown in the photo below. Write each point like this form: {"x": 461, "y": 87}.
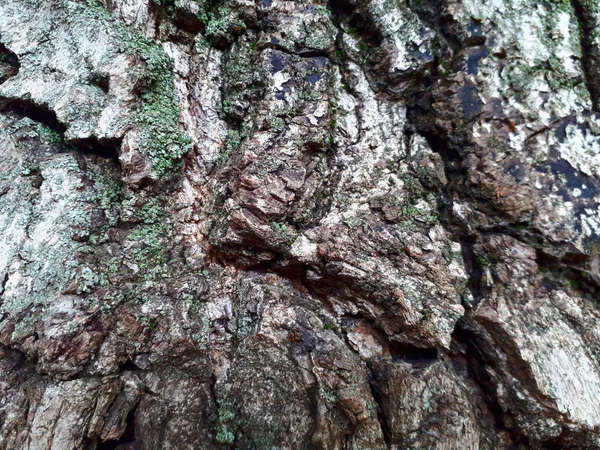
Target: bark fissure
{"x": 589, "y": 25}
{"x": 34, "y": 111}
{"x": 384, "y": 236}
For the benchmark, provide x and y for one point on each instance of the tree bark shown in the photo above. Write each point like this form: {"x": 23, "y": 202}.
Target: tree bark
{"x": 281, "y": 224}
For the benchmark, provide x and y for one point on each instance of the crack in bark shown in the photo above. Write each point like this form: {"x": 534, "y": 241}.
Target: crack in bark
{"x": 103, "y": 147}
{"x": 377, "y": 398}
{"x": 3, "y": 285}
{"x": 464, "y": 345}
{"x": 9, "y": 64}
{"x": 33, "y": 111}
{"x": 590, "y": 51}
{"x": 107, "y": 148}
{"x": 128, "y": 436}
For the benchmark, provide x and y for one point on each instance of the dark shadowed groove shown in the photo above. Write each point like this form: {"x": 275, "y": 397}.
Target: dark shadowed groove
{"x": 415, "y": 355}
{"x": 465, "y": 336}
{"x": 33, "y": 111}
{"x": 378, "y": 399}
{"x": 8, "y": 56}
{"x": 589, "y": 50}
{"x": 105, "y": 148}
{"x": 431, "y": 13}
{"x": 355, "y": 16}
{"x": 101, "y": 81}
{"x": 564, "y": 270}
{"x": 473, "y": 268}
{"x": 128, "y": 366}
{"x": 127, "y": 438}
{"x": 9, "y": 64}
{"x": 3, "y": 285}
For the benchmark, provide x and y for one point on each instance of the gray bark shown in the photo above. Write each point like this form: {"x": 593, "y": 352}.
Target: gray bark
{"x": 281, "y": 224}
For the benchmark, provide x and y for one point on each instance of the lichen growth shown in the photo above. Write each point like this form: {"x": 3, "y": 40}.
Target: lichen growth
{"x": 48, "y": 135}
{"x": 158, "y": 108}
{"x": 147, "y": 247}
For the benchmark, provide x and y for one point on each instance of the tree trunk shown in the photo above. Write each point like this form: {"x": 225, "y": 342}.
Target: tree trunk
{"x": 277, "y": 224}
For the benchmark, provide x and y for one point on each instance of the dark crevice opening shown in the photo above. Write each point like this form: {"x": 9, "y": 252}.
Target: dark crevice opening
{"x": 431, "y": 13}
{"x": 454, "y": 171}
{"x": 313, "y": 54}
{"x": 399, "y": 351}
{"x": 37, "y": 179}
{"x": 476, "y": 366}
{"x": 33, "y": 111}
{"x": 104, "y": 148}
{"x": 9, "y": 64}
{"x": 101, "y": 81}
{"x": 129, "y": 365}
{"x": 357, "y": 19}
{"x": 17, "y": 358}
{"x": 451, "y": 157}
{"x": 4, "y": 281}
{"x": 562, "y": 273}
{"x": 378, "y": 398}
{"x": 590, "y": 60}
{"x": 473, "y": 267}
{"x": 417, "y": 356}
{"x": 3, "y": 285}
{"x": 8, "y": 57}
{"x": 183, "y": 20}
{"x": 128, "y": 436}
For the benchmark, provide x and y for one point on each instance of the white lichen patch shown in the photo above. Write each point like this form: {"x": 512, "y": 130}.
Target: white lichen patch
{"x": 304, "y": 250}
{"x": 581, "y": 148}
{"x": 142, "y": 15}
{"x": 590, "y": 227}
{"x": 60, "y": 75}
{"x": 403, "y": 30}
{"x": 197, "y": 83}
{"x": 561, "y": 364}
{"x": 375, "y": 136}
{"x": 41, "y": 226}
{"x": 542, "y": 62}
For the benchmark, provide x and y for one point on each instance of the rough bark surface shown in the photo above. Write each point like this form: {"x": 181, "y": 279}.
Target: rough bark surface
{"x": 276, "y": 224}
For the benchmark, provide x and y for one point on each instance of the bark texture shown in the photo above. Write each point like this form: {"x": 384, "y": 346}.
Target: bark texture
{"x": 276, "y": 224}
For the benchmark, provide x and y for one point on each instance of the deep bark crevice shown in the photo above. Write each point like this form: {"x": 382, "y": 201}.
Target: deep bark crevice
{"x": 431, "y": 13}
{"x": 590, "y": 60}
{"x": 128, "y": 436}
{"x": 9, "y": 64}
{"x": 104, "y": 148}
{"x": 564, "y": 273}
{"x": 33, "y": 111}
{"x": 128, "y": 366}
{"x": 101, "y": 81}
{"x": 378, "y": 399}
{"x": 417, "y": 356}
{"x": 357, "y": 19}
{"x": 464, "y": 345}
{"x": 3, "y": 285}
{"x": 8, "y": 57}
{"x": 473, "y": 268}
